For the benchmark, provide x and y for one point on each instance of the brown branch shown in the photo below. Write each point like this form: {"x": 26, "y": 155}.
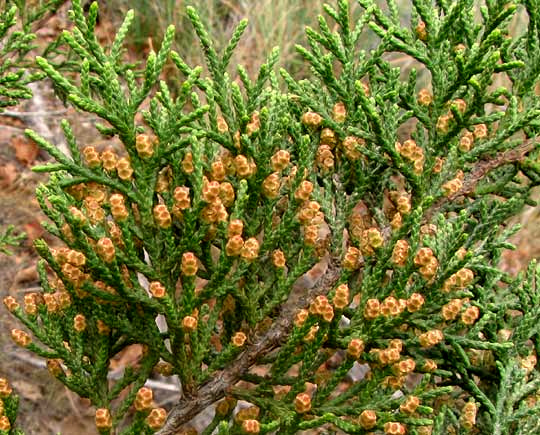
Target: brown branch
{"x": 481, "y": 169}
{"x": 216, "y": 388}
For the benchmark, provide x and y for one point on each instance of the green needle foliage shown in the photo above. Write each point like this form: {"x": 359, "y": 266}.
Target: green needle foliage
{"x": 9, "y": 239}
{"x": 14, "y": 45}
{"x": 16, "y": 39}
{"x": 328, "y": 255}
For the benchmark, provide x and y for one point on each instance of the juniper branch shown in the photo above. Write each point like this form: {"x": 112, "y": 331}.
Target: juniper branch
{"x": 216, "y": 388}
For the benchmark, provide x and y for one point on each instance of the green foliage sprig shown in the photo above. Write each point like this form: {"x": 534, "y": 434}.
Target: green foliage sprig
{"x": 15, "y": 43}
{"x": 16, "y": 37}
{"x": 328, "y": 254}
{"x": 9, "y": 239}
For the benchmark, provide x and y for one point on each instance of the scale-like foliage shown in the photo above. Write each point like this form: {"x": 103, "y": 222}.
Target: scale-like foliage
{"x": 15, "y": 76}
{"x": 16, "y": 37}
{"x": 328, "y": 255}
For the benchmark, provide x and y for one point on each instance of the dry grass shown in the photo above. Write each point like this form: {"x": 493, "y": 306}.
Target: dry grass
{"x": 272, "y": 23}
